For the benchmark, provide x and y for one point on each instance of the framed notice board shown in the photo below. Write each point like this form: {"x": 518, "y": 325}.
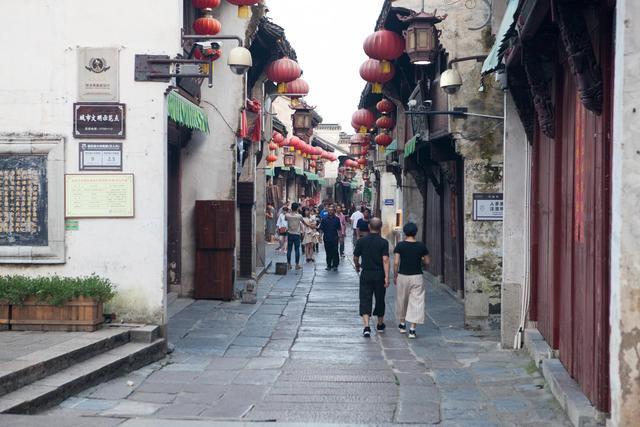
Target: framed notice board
{"x": 99, "y": 196}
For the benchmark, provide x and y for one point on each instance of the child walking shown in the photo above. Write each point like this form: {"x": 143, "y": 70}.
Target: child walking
{"x": 409, "y": 257}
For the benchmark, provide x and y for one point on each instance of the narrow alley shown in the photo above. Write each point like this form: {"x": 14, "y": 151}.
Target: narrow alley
{"x": 298, "y": 356}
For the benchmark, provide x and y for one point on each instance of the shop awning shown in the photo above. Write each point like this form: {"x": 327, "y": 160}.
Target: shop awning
{"x": 270, "y": 172}
{"x": 186, "y": 113}
{"x": 410, "y": 146}
{"x": 322, "y": 181}
{"x": 299, "y": 171}
{"x": 392, "y": 148}
{"x": 354, "y": 185}
{"x": 507, "y": 27}
{"x": 311, "y": 176}
{"x": 285, "y": 168}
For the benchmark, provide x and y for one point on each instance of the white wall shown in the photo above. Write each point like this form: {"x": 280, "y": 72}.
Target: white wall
{"x": 40, "y": 41}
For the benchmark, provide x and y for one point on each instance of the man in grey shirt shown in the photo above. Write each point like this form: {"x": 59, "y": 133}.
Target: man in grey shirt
{"x": 294, "y": 233}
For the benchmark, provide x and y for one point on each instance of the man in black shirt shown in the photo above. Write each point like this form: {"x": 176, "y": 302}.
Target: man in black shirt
{"x": 331, "y": 227}
{"x": 373, "y": 250}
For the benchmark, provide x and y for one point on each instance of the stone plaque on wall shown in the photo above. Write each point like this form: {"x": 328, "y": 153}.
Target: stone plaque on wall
{"x": 98, "y": 74}
{"x": 23, "y": 200}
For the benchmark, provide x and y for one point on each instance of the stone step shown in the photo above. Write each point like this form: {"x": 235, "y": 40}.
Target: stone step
{"x": 53, "y": 389}
{"x": 32, "y": 367}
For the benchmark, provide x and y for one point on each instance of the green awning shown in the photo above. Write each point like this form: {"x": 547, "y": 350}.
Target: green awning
{"x": 410, "y": 146}
{"x": 322, "y": 181}
{"x": 270, "y": 172}
{"x": 506, "y": 30}
{"x": 392, "y": 148}
{"x": 354, "y": 185}
{"x": 186, "y": 113}
{"x": 311, "y": 176}
{"x": 299, "y": 171}
{"x": 285, "y": 168}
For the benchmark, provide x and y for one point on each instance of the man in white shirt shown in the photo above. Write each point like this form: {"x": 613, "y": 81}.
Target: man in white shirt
{"x": 355, "y": 217}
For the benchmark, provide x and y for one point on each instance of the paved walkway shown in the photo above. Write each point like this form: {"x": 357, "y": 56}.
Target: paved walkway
{"x": 297, "y": 357}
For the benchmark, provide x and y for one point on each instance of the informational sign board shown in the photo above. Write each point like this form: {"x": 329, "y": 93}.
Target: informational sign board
{"x": 99, "y": 120}
{"x": 488, "y": 207}
{"x": 99, "y": 196}
{"x": 389, "y": 202}
{"x": 98, "y": 74}
{"x": 71, "y": 225}
{"x": 100, "y": 156}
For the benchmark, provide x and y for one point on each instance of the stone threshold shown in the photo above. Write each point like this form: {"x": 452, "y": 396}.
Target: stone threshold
{"x": 564, "y": 388}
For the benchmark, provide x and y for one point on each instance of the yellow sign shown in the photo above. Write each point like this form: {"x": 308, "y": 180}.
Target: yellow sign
{"x": 99, "y": 196}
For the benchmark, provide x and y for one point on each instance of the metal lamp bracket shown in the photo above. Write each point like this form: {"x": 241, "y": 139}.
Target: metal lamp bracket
{"x": 158, "y": 68}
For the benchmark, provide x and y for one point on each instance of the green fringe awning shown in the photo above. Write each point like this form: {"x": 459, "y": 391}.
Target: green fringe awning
{"x": 410, "y": 146}
{"x": 299, "y": 171}
{"x": 311, "y": 176}
{"x": 186, "y": 113}
{"x": 270, "y": 172}
{"x": 322, "y": 181}
{"x": 392, "y": 148}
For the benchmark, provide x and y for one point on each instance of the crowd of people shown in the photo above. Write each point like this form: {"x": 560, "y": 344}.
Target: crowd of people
{"x": 299, "y": 229}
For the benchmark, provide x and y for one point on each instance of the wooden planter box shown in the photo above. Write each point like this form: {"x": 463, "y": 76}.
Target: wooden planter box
{"x": 78, "y": 315}
{"x": 4, "y": 316}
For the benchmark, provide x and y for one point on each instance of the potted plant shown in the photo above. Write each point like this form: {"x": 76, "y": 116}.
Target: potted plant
{"x": 55, "y": 303}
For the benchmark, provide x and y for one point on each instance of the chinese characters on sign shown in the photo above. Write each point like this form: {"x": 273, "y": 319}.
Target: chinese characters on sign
{"x": 98, "y": 74}
{"x": 99, "y": 120}
{"x": 23, "y": 200}
{"x": 99, "y": 196}
{"x": 488, "y": 207}
{"x": 98, "y": 156}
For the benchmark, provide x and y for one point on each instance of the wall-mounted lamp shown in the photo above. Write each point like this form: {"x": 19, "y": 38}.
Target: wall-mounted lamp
{"x": 422, "y": 37}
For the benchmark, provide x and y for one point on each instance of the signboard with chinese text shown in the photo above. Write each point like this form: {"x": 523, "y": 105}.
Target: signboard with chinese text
{"x": 488, "y": 207}
{"x": 23, "y": 200}
{"x": 389, "y": 202}
{"x": 106, "y": 120}
{"x": 100, "y": 156}
{"x": 98, "y": 74}
{"x": 99, "y": 196}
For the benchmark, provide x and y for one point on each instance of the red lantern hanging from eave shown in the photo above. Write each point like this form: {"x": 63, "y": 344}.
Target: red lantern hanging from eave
{"x": 298, "y": 88}
{"x": 278, "y": 138}
{"x": 205, "y": 4}
{"x": 371, "y": 72}
{"x": 385, "y": 106}
{"x": 362, "y": 161}
{"x": 384, "y": 140}
{"x": 385, "y": 122}
{"x": 363, "y": 120}
{"x": 273, "y": 146}
{"x": 271, "y": 158}
{"x": 385, "y": 46}
{"x": 207, "y": 25}
{"x": 283, "y": 71}
{"x": 244, "y": 10}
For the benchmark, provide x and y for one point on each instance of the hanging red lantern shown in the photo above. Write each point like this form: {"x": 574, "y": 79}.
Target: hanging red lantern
{"x": 385, "y": 106}
{"x": 298, "y": 88}
{"x": 278, "y": 138}
{"x": 384, "y": 140}
{"x": 371, "y": 71}
{"x": 313, "y": 163}
{"x": 362, "y": 161}
{"x": 244, "y": 10}
{"x": 207, "y": 25}
{"x": 297, "y": 144}
{"x": 363, "y": 120}
{"x": 385, "y": 122}
{"x": 283, "y": 71}
{"x": 384, "y": 45}
{"x": 273, "y": 146}
{"x": 205, "y": 4}
{"x": 271, "y": 158}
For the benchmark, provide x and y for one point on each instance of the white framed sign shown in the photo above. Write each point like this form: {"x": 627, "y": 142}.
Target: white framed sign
{"x": 488, "y": 207}
{"x": 98, "y": 70}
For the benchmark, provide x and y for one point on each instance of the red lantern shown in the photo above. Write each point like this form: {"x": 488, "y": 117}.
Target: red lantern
{"x": 385, "y": 46}
{"x": 207, "y": 25}
{"x": 385, "y": 106}
{"x": 243, "y": 7}
{"x": 385, "y": 122}
{"x": 371, "y": 71}
{"x": 205, "y": 4}
{"x": 273, "y": 146}
{"x": 313, "y": 163}
{"x": 271, "y": 158}
{"x": 278, "y": 138}
{"x": 298, "y": 87}
{"x": 384, "y": 140}
{"x": 283, "y": 71}
{"x": 363, "y": 120}
{"x": 362, "y": 161}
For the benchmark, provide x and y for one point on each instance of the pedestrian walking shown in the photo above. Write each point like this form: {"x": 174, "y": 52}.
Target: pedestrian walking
{"x": 282, "y": 227}
{"x": 330, "y": 227}
{"x": 356, "y": 216}
{"x": 409, "y": 257}
{"x": 270, "y": 213}
{"x": 294, "y": 234}
{"x": 309, "y": 229}
{"x": 362, "y": 227}
{"x": 371, "y": 255}
{"x": 343, "y": 228}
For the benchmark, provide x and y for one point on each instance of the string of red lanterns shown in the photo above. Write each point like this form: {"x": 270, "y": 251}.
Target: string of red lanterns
{"x": 372, "y": 71}
{"x": 283, "y": 71}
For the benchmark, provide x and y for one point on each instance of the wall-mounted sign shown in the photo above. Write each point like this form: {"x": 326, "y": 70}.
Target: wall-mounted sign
{"x": 100, "y": 156}
{"x": 488, "y": 207}
{"x": 103, "y": 120}
{"x": 98, "y": 74}
{"x": 71, "y": 225}
{"x": 99, "y": 196}
{"x": 389, "y": 202}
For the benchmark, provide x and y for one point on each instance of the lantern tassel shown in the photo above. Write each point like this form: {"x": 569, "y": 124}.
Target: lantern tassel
{"x": 377, "y": 88}
{"x": 385, "y": 66}
{"x": 244, "y": 12}
{"x": 282, "y": 88}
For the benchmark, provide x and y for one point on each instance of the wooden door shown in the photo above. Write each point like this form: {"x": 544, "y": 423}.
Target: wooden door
{"x": 174, "y": 218}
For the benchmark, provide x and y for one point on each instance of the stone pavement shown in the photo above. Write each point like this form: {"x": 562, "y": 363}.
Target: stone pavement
{"x": 298, "y": 357}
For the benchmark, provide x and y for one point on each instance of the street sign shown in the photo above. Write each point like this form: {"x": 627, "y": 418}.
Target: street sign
{"x": 100, "y": 156}
{"x": 99, "y": 120}
{"x": 488, "y": 207}
{"x": 389, "y": 202}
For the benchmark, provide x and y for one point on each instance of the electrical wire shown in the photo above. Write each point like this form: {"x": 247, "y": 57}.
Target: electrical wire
{"x": 221, "y": 116}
